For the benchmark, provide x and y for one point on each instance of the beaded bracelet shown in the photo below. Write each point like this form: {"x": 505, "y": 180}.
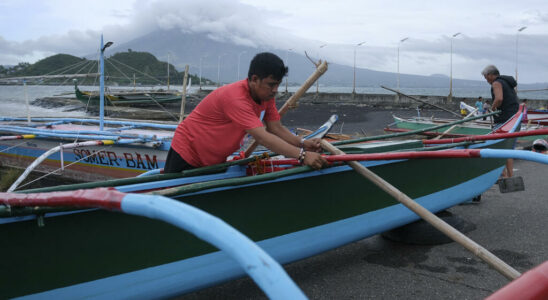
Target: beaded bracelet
{"x": 302, "y": 154}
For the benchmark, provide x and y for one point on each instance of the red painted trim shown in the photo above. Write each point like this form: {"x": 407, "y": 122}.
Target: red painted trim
{"x": 494, "y": 136}
{"x": 108, "y": 198}
{"x": 510, "y": 123}
{"x": 463, "y": 153}
{"x": 532, "y": 285}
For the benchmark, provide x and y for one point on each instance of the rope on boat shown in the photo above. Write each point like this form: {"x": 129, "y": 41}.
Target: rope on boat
{"x": 264, "y": 270}
{"x": 46, "y": 154}
{"x": 63, "y": 167}
{"x": 14, "y": 146}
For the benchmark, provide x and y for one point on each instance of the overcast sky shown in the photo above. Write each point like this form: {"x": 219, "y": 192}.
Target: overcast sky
{"x": 31, "y": 30}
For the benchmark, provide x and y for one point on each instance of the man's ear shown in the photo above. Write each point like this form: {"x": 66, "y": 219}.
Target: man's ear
{"x": 254, "y": 78}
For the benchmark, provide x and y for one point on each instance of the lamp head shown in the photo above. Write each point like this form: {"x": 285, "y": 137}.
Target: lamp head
{"x": 108, "y": 44}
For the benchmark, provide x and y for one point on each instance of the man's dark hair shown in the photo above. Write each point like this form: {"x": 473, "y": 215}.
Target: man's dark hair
{"x": 265, "y": 64}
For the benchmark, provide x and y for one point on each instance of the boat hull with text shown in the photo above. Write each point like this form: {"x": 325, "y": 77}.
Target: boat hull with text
{"x": 292, "y": 215}
{"x": 89, "y": 163}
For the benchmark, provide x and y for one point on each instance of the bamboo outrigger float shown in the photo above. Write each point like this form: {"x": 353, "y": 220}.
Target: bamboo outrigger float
{"x": 105, "y": 254}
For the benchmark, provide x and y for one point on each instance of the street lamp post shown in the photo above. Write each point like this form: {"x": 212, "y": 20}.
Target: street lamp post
{"x": 219, "y": 70}
{"x": 102, "y": 83}
{"x": 287, "y": 63}
{"x": 168, "y": 70}
{"x": 354, "y": 82}
{"x": 201, "y": 57}
{"x": 239, "y": 56}
{"x": 318, "y": 80}
{"x": 517, "y": 36}
{"x": 450, "y": 97}
{"x": 398, "y": 81}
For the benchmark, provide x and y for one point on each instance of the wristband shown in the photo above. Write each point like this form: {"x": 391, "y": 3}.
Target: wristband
{"x": 302, "y": 142}
{"x": 302, "y": 154}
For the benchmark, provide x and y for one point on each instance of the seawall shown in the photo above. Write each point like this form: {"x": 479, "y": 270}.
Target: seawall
{"x": 391, "y": 101}
{"x": 385, "y": 101}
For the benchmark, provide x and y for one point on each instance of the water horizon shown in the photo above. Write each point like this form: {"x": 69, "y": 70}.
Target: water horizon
{"x": 13, "y": 99}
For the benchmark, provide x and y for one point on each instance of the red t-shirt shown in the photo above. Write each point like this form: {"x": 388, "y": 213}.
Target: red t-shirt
{"x": 216, "y": 127}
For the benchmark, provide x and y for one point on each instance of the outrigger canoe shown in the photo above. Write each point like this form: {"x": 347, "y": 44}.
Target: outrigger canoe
{"x": 290, "y": 211}
{"x": 477, "y": 126}
{"x": 84, "y": 153}
{"x": 140, "y": 98}
{"x": 123, "y": 149}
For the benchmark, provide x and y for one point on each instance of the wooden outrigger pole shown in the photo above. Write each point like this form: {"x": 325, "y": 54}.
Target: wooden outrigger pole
{"x": 421, "y": 101}
{"x": 429, "y": 217}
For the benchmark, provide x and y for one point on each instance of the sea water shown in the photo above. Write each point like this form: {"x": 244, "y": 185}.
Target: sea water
{"x": 13, "y": 99}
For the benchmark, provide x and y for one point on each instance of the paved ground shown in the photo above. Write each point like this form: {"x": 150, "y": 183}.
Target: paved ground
{"x": 511, "y": 225}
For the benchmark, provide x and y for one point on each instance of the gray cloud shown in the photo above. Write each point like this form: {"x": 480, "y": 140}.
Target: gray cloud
{"x": 252, "y": 25}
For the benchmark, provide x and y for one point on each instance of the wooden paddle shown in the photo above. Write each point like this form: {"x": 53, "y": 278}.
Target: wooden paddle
{"x": 429, "y": 217}
{"x": 321, "y": 68}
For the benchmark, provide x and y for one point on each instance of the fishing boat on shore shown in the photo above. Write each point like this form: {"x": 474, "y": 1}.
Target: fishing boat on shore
{"x": 128, "y": 98}
{"x": 474, "y": 124}
{"x": 273, "y": 201}
{"x": 84, "y": 152}
{"x": 537, "y": 117}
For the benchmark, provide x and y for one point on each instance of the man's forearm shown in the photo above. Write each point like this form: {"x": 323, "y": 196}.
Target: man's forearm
{"x": 286, "y": 135}
{"x": 274, "y": 142}
{"x": 496, "y": 104}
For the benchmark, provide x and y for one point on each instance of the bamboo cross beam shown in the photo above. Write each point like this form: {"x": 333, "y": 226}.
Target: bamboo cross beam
{"x": 452, "y": 127}
{"x": 412, "y": 132}
{"x": 320, "y": 70}
{"x": 421, "y": 101}
{"x": 429, "y": 217}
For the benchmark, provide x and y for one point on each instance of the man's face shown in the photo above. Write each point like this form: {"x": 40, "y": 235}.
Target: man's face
{"x": 490, "y": 78}
{"x": 263, "y": 89}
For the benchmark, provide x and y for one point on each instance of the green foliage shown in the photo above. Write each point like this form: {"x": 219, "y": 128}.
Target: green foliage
{"x": 120, "y": 69}
{"x": 52, "y": 64}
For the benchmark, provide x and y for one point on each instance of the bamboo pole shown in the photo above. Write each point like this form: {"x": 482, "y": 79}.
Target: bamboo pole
{"x": 183, "y": 97}
{"x": 412, "y": 132}
{"x": 452, "y": 127}
{"x": 321, "y": 68}
{"x": 429, "y": 217}
{"x": 421, "y": 101}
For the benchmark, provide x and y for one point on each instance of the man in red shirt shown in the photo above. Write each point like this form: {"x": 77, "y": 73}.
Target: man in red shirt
{"x": 216, "y": 127}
